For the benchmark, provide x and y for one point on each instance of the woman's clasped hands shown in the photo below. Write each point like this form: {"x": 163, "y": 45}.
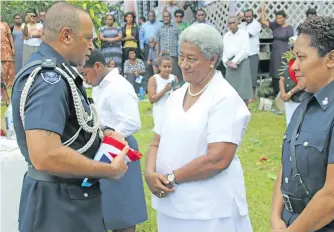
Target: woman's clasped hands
{"x": 158, "y": 184}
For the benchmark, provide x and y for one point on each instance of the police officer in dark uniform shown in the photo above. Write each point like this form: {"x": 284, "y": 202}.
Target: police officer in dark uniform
{"x": 58, "y": 130}
{"x": 303, "y": 198}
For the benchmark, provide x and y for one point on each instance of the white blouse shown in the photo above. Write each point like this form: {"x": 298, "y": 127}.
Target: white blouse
{"x": 117, "y": 104}
{"x": 236, "y": 46}
{"x": 159, "y": 106}
{"x": 219, "y": 115}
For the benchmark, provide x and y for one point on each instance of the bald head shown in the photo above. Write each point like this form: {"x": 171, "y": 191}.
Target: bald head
{"x": 59, "y": 16}
{"x": 68, "y": 29}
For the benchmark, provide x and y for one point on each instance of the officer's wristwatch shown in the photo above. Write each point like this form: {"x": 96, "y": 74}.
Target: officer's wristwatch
{"x": 171, "y": 178}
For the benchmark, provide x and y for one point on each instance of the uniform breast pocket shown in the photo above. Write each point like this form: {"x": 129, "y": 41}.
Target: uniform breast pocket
{"x": 310, "y": 151}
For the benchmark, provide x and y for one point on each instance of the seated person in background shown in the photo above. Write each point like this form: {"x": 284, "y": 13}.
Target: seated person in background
{"x": 134, "y": 70}
{"x": 152, "y": 56}
{"x": 160, "y": 87}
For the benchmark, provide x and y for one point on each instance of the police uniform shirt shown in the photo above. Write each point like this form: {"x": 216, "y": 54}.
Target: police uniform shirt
{"x": 49, "y": 206}
{"x": 48, "y": 106}
{"x": 314, "y": 146}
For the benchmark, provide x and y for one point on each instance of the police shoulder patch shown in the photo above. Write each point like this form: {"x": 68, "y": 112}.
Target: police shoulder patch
{"x": 51, "y": 77}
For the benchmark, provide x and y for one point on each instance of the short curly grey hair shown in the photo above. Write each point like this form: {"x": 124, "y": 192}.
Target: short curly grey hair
{"x": 206, "y": 37}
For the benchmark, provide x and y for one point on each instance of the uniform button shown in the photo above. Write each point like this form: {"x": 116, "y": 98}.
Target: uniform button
{"x": 290, "y": 158}
{"x": 297, "y": 135}
{"x": 286, "y": 180}
{"x": 85, "y": 194}
{"x": 305, "y": 144}
{"x": 288, "y": 85}
{"x": 284, "y": 137}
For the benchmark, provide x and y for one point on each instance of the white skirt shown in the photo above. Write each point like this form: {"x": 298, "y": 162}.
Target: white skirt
{"x": 290, "y": 107}
{"x": 236, "y": 223}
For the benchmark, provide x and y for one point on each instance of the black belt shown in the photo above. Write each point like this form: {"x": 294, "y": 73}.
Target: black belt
{"x": 292, "y": 204}
{"x": 43, "y": 176}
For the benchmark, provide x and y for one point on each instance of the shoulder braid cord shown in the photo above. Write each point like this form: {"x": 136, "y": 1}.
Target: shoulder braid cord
{"x": 82, "y": 115}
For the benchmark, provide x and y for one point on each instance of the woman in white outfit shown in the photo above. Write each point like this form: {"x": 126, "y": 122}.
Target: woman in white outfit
{"x": 160, "y": 86}
{"x": 192, "y": 170}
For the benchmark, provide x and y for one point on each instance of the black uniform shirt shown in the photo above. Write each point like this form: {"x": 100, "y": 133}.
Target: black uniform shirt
{"x": 314, "y": 145}
{"x": 49, "y": 105}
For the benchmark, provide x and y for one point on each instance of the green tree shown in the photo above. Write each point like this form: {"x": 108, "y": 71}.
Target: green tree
{"x": 9, "y": 8}
{"x": 97, "y": 9}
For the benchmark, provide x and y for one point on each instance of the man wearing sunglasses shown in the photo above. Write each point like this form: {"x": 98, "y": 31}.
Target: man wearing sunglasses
{"x": 42, "y": 17}
{"x": 32, "y": 32}
{"x": 179, "y": 23}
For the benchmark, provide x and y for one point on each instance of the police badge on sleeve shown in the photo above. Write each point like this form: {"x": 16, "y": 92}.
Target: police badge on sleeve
{"x": 51, "y": 77}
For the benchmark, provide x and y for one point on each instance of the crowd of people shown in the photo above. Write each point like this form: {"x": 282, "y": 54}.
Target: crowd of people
{"x": 192, "y": 168}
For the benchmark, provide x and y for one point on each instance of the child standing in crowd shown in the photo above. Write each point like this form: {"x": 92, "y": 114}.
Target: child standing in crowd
{"x": 152, "y": 56}
{"x": 111, "y": 64}
{"x": 160, "y": 87}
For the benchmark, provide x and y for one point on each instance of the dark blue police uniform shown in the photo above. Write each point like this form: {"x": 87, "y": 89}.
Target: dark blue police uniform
{"x": 310, "y": 139}
{"x": 50, "y": 203}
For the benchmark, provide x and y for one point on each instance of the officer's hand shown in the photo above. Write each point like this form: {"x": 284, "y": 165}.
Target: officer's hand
{"x": 118, "y": 164}
{"x": 277, "y": 225}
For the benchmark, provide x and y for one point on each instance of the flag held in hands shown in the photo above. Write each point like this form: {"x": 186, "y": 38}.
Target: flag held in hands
{"x": 109, "y": 149}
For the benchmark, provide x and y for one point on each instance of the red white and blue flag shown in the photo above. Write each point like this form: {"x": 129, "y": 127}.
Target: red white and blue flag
{"x": 109, "y": 149}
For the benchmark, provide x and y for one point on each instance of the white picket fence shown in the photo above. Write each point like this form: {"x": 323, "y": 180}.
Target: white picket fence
{"x": 219, "y": 11}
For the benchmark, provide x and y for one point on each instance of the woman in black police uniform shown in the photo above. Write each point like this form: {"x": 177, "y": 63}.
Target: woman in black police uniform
{"x": 304, "y": 193}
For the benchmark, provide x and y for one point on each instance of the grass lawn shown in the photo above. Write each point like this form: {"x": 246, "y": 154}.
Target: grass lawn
{"x": 263, "y": 138}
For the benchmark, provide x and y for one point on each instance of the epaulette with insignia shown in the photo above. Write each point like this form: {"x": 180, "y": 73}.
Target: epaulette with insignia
{"x": 49, "y": 63}
{"x": 48, "y": 74}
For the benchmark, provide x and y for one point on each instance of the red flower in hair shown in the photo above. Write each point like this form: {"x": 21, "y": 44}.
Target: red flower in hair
{"x": 291, "y": 72}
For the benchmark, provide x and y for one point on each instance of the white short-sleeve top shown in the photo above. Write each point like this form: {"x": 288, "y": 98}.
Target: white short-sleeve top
{"x": 219, "y": 115}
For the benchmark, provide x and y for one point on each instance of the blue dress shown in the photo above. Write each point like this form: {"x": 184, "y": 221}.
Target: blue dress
{"x": 123, "y": 200}
{"x": 112, "y": 50}
{"x": 18, "y": 44}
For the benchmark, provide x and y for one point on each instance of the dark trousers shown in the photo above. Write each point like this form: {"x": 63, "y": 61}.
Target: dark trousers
{"x": 149, "y": 67}
{"x": 275, "y": 86}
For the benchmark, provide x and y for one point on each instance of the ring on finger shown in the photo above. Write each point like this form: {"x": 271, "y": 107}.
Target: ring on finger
{"x": 161, "y": 194}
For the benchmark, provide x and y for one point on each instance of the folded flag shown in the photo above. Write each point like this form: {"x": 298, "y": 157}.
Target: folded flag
{"x": 108, "y": 150}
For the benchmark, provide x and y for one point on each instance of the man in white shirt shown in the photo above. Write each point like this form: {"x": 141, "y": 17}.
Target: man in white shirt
{"x": 253, "y": 27}
{"x": 235, "y": 59}
{"x": 116, "y": 102}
